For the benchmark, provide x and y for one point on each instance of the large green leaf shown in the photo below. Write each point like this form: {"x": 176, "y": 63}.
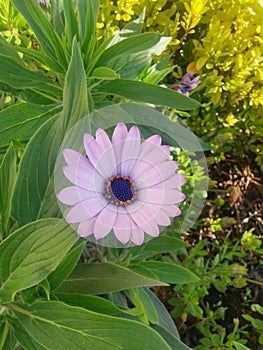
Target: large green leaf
{"x": 34, "y": 195}
{"x": 240, "y": 346}
{"x": 31, "y": 253}
{"x": 104, "y": 278}
{"x": 148, "y": 93}
{"x": 168, "y": 273}
{"x": 7, "y": 181}
{"x": 45, "y": 33}
{"x": 78, "y": 329}
{"x": 19, "y": 122}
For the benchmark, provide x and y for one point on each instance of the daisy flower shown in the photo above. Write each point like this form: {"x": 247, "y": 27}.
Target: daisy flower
{"x": 124, "y": 185}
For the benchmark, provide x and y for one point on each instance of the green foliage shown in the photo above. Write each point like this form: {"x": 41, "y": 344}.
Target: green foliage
{"x": 61, "y": 73}
{"x": 222, "y": 42}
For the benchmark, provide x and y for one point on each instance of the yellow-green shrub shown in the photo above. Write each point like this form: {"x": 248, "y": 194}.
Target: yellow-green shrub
{"x": 222, "y": 41}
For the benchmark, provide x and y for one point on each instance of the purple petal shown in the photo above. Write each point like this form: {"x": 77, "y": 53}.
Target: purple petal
{"x": 144, "y": 214}
{"x": 73, "y": 157}
{"x": 120, "y": 133}
{"x": 171, "y": 210}
{"x": 164, "y": 197}
{"x": 86, "y": 210}
{"x": 73, "y": 195}
{"x": 85, "y": 176}
{"x": 149, "y": 145}
{"x": 103, "y": 139}
{"x": 137, "y": 236}
{"x": 118, "y": 139}
{"x": 93, "y": 148}
{"x": 86, "y": 228}
{"x": 130, "y": 150}
{"x": 162, "y": 218}
{"x": 151, "y": 228}
{"x": 157, "y": 173}
{"x": 176, "y": 180}
{"x": 123, "y": 226}
{"x": 105, "y": 222}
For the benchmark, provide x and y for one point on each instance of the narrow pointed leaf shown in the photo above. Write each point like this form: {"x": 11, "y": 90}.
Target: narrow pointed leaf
{"x": 103, "y": 278}
{"x": 45, "y": 33}
{"x": 7, "y": 181}
{"x": 169, "y": 273}
{"x": 148, "y": 93}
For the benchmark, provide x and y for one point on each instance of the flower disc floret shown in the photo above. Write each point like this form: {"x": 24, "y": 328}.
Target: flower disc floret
{"x": 123, "y": 185}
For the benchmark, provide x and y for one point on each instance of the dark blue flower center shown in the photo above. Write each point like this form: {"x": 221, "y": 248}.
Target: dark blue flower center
{"x": 122, "y": 189}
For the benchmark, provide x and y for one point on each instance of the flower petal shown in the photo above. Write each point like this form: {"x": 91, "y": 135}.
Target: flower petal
{"x": 86, "y": 228}
{"x": 160, "y": 196}
{"x": 137, "y": 236}
{"x": 73, "y": 157}
{"x": 73, "y": 195}
{"x": 130, "y": 150}
{"x": 123, "y": 226}
{"x": 86, "y": 210}
{"x": 85, "y": 177}
{"x": 103, "y": 139}
{"x": 105, "y": 221}
{"x": 171, "y": 210}
{"x": 93, "y": 148}
{"x": 120, "y": 133}
{"x": 162, "y": 218}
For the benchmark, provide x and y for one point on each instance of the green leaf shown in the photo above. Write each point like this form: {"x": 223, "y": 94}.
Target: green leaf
{"x": 90, "y": 302}
{"x": 169, "y": 273}
{"x": 42, "y": 58}
{"x": 67, "y": 265}
{"x": 71, "y": 24}
{"x": 104, "y": 73}
{"x": 75, "y": 95}
{"x": 148, "y": 93}
{"x": 31, "y": 253}
{"x": 34, "y": 195}
{"x": 150, "y": 311}
{"x": 174, "y": 343}
{"x": 87, "y": 14}
{"x": 20, "y": 122}
{"x": 103, "y": 278}
{"x": 78, "y": 329}
{"x": 19, "y": 77}
{"x": 133, "y": 44}
{"x": 150, "y": 122}
{"x": 165, "y": 320}
{"x": 240, "y": 346}
{"x": 28, "y": 95}
{"x": 7, "y": 181}
{"x": 162, "y": 244}
{"x": 57, "y": 19}
{"x": 45, "y": 33}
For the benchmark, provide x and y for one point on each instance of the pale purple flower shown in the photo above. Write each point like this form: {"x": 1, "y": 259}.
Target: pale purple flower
{"x": 124, "y": 184}
{"x": 186, "y": 84}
